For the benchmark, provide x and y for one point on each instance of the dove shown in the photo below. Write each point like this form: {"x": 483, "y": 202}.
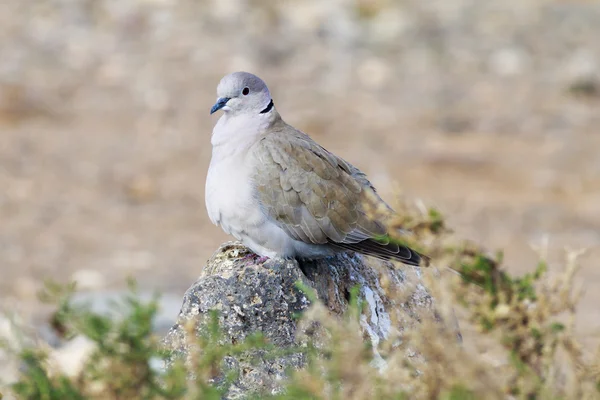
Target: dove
{"x": 282, "y": 194}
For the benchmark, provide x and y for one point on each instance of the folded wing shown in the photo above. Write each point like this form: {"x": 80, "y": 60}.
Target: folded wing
{"x": 318, "y": 198}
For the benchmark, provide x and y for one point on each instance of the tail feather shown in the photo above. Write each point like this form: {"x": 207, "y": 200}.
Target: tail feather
{"x": 390, "y": 251}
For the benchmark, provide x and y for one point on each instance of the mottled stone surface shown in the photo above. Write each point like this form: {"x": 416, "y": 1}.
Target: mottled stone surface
{"x": 264, "y": 297}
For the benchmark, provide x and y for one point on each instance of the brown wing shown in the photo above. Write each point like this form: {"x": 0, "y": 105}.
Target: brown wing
{"x": 319, "y": 198}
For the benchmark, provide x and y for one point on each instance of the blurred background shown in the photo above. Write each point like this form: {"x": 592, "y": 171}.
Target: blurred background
{"x": 488, "y": 110}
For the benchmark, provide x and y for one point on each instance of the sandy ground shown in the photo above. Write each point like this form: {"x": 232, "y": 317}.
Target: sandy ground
{"x": 99, "y": 185}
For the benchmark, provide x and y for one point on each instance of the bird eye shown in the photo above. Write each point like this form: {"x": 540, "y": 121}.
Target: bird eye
{"x": 245, "y": 91}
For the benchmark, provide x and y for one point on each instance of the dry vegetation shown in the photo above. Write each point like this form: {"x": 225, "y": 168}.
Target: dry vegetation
{"x": 525, "y": 323}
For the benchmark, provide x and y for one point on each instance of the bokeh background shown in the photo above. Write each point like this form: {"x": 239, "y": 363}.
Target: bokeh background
{"x": 486, "y": 109}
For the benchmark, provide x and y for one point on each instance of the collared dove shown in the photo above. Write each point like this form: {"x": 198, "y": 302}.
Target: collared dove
{"x": 282, "y": 194}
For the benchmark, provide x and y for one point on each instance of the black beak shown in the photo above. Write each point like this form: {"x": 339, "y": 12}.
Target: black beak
{"x": 219, "y": 104}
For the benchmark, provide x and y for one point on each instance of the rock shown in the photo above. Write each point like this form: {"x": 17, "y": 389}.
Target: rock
{"x": 373, "y": 73}
{"x": 88, "y": 279}
{"x": 141, "y": 189}
{"x": 26, "y": 288}
{"x": 264, "y": 297}
{"x": 9, "y": 337}
{"x": 72, "y": 356}
{"x": 103, "y": 302}
{"x": 508, "y": 61}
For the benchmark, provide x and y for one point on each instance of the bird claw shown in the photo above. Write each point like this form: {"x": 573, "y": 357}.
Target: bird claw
{"x": 253, "y": 259}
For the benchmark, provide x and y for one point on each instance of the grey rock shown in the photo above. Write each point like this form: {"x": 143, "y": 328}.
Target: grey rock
{"x": 71, "y": 357}
{"x": 264, "y": 297}
{"x": 106, "y": 302}
{"x": 11, "y": 343}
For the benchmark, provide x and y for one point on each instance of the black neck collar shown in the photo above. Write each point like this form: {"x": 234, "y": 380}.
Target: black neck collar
{"x": 269, "y": 107}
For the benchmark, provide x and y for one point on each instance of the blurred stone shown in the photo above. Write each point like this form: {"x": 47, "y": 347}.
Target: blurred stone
{"x": 129, "y": 260}
{"x": 390, "y": 25}
{"x": 304, "y": 16}
{"x": 70, "y": 358}
{"x": 158, "y": 2}
{"x": 104, "y": 302}
{"x": 454, "y": 123}
{"x": 264, "y": 297}
{"x": 111, "y": 72}
{"x": 373, "y": 73}
{"x": 12, "y": 340}
{"x": 50, "y": 335}
{"x": 26, "y": 288}
{"x": 18, "y": 104}
{"x": 141, "y": 189}
{"x": 582, "y": 64}
{"x": 9, "y": 370}
{"x": 226, "y": 10}
{"x": 8, "y": 331}
{"x": 546, "y": 178}
{"x": 508, "y": 61}
{"x": 88, "y": 279}
{"x": 21, "y": 190}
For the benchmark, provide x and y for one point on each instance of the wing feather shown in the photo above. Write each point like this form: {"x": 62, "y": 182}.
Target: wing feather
{"x": 318, "y": 198}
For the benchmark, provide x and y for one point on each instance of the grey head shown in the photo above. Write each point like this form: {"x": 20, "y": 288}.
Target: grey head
{"x": 242, "y": 93}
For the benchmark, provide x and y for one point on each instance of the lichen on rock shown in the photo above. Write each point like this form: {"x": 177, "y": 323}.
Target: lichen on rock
{"x": 265, "y": 297}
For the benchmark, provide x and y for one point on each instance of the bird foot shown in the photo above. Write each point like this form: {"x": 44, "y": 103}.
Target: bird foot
{"x": 253, "y": 259}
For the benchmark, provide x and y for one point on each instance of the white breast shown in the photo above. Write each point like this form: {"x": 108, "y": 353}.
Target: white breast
{"x": 229, "y": 193}
{"x": 230, "y": 196}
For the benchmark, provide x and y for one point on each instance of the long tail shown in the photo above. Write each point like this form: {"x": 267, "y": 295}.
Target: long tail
{"x": 383, "y": 251}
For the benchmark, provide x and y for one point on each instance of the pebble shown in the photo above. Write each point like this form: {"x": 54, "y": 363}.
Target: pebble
{"x": 88, "y": 279}
{"x": 141, "y": 189}
{"x": 9, "y": 330}
{"x": 26, "y": 288}
{"x": 9, "y": 371}
{"x": 390, "y": 25}
{"x": 70, "y": 358}
{"x": 373, "y": 73}
{"x": 129, "y": 260}
{"x": 508, "y": 61}
{"x": 103, "y": 302}
{"x": 582, "y": 64}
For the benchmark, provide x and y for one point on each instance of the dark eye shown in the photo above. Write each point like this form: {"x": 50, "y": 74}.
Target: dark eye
{"x": 245, "y": 91}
